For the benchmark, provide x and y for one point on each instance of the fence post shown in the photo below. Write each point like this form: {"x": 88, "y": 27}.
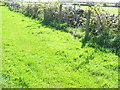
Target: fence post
{"x": 87, "y": 29}
{"x": 45, "y": 13}
{"x": 74, "y": 7}
{"x": 119, "y": 16}
{"x": 60, "y": 15}
{"x": 21, "y": 6}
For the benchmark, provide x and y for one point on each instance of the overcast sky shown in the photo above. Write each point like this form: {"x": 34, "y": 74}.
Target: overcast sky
{"x": 80, "y": 0}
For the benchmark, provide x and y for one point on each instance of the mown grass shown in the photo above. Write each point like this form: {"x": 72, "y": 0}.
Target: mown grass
{"x": 34, "y": 56}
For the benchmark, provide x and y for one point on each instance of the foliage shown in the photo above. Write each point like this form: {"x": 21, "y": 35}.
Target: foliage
{"x": 103, "y": 28}
{"x": 64, "y": 25}
{"x": 102, "y": 21}
{"x": 104, "y": 4}
{"x": 90, "y": 3}
{"x": 116, "y": 4}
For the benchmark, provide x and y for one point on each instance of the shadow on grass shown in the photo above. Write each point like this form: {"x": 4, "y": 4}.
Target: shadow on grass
{"x": 105, "y": 43}
{"x": 2, "y": 5}
{"x": 102, "y": 42}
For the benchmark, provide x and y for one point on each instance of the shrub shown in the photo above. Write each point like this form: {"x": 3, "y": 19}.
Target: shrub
{"x": 104, "y": 4}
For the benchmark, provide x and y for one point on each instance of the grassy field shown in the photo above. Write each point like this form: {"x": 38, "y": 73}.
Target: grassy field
{"x": 108, "y": 9}
{"x": 111, "y": 9}
{"x": 34, "y": 56}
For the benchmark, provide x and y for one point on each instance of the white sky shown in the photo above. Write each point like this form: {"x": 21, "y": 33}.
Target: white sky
{"x": 80, "y": 0}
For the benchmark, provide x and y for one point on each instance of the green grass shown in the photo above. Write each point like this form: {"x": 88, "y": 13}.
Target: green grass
{"x": 111, "y": 9}
{"x": 34, "y": 56}
{"x": 111, "y": 4}
{"x": 108, "y": 9}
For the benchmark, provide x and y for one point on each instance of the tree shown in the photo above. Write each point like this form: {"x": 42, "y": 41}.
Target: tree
{"x": 116, "y": 4}
{"x": 104, "y": 4}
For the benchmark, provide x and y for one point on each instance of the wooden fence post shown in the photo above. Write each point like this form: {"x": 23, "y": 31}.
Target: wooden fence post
{"x": 28, "y": 9}
{"x": 21, "y": 6}
{"x": 119, "y": 16}
{"x": 87, "y": 29}
{"x": 74, "y": 7}
{"x": 60, "y": 15}
{"x": 45, "y": 18}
